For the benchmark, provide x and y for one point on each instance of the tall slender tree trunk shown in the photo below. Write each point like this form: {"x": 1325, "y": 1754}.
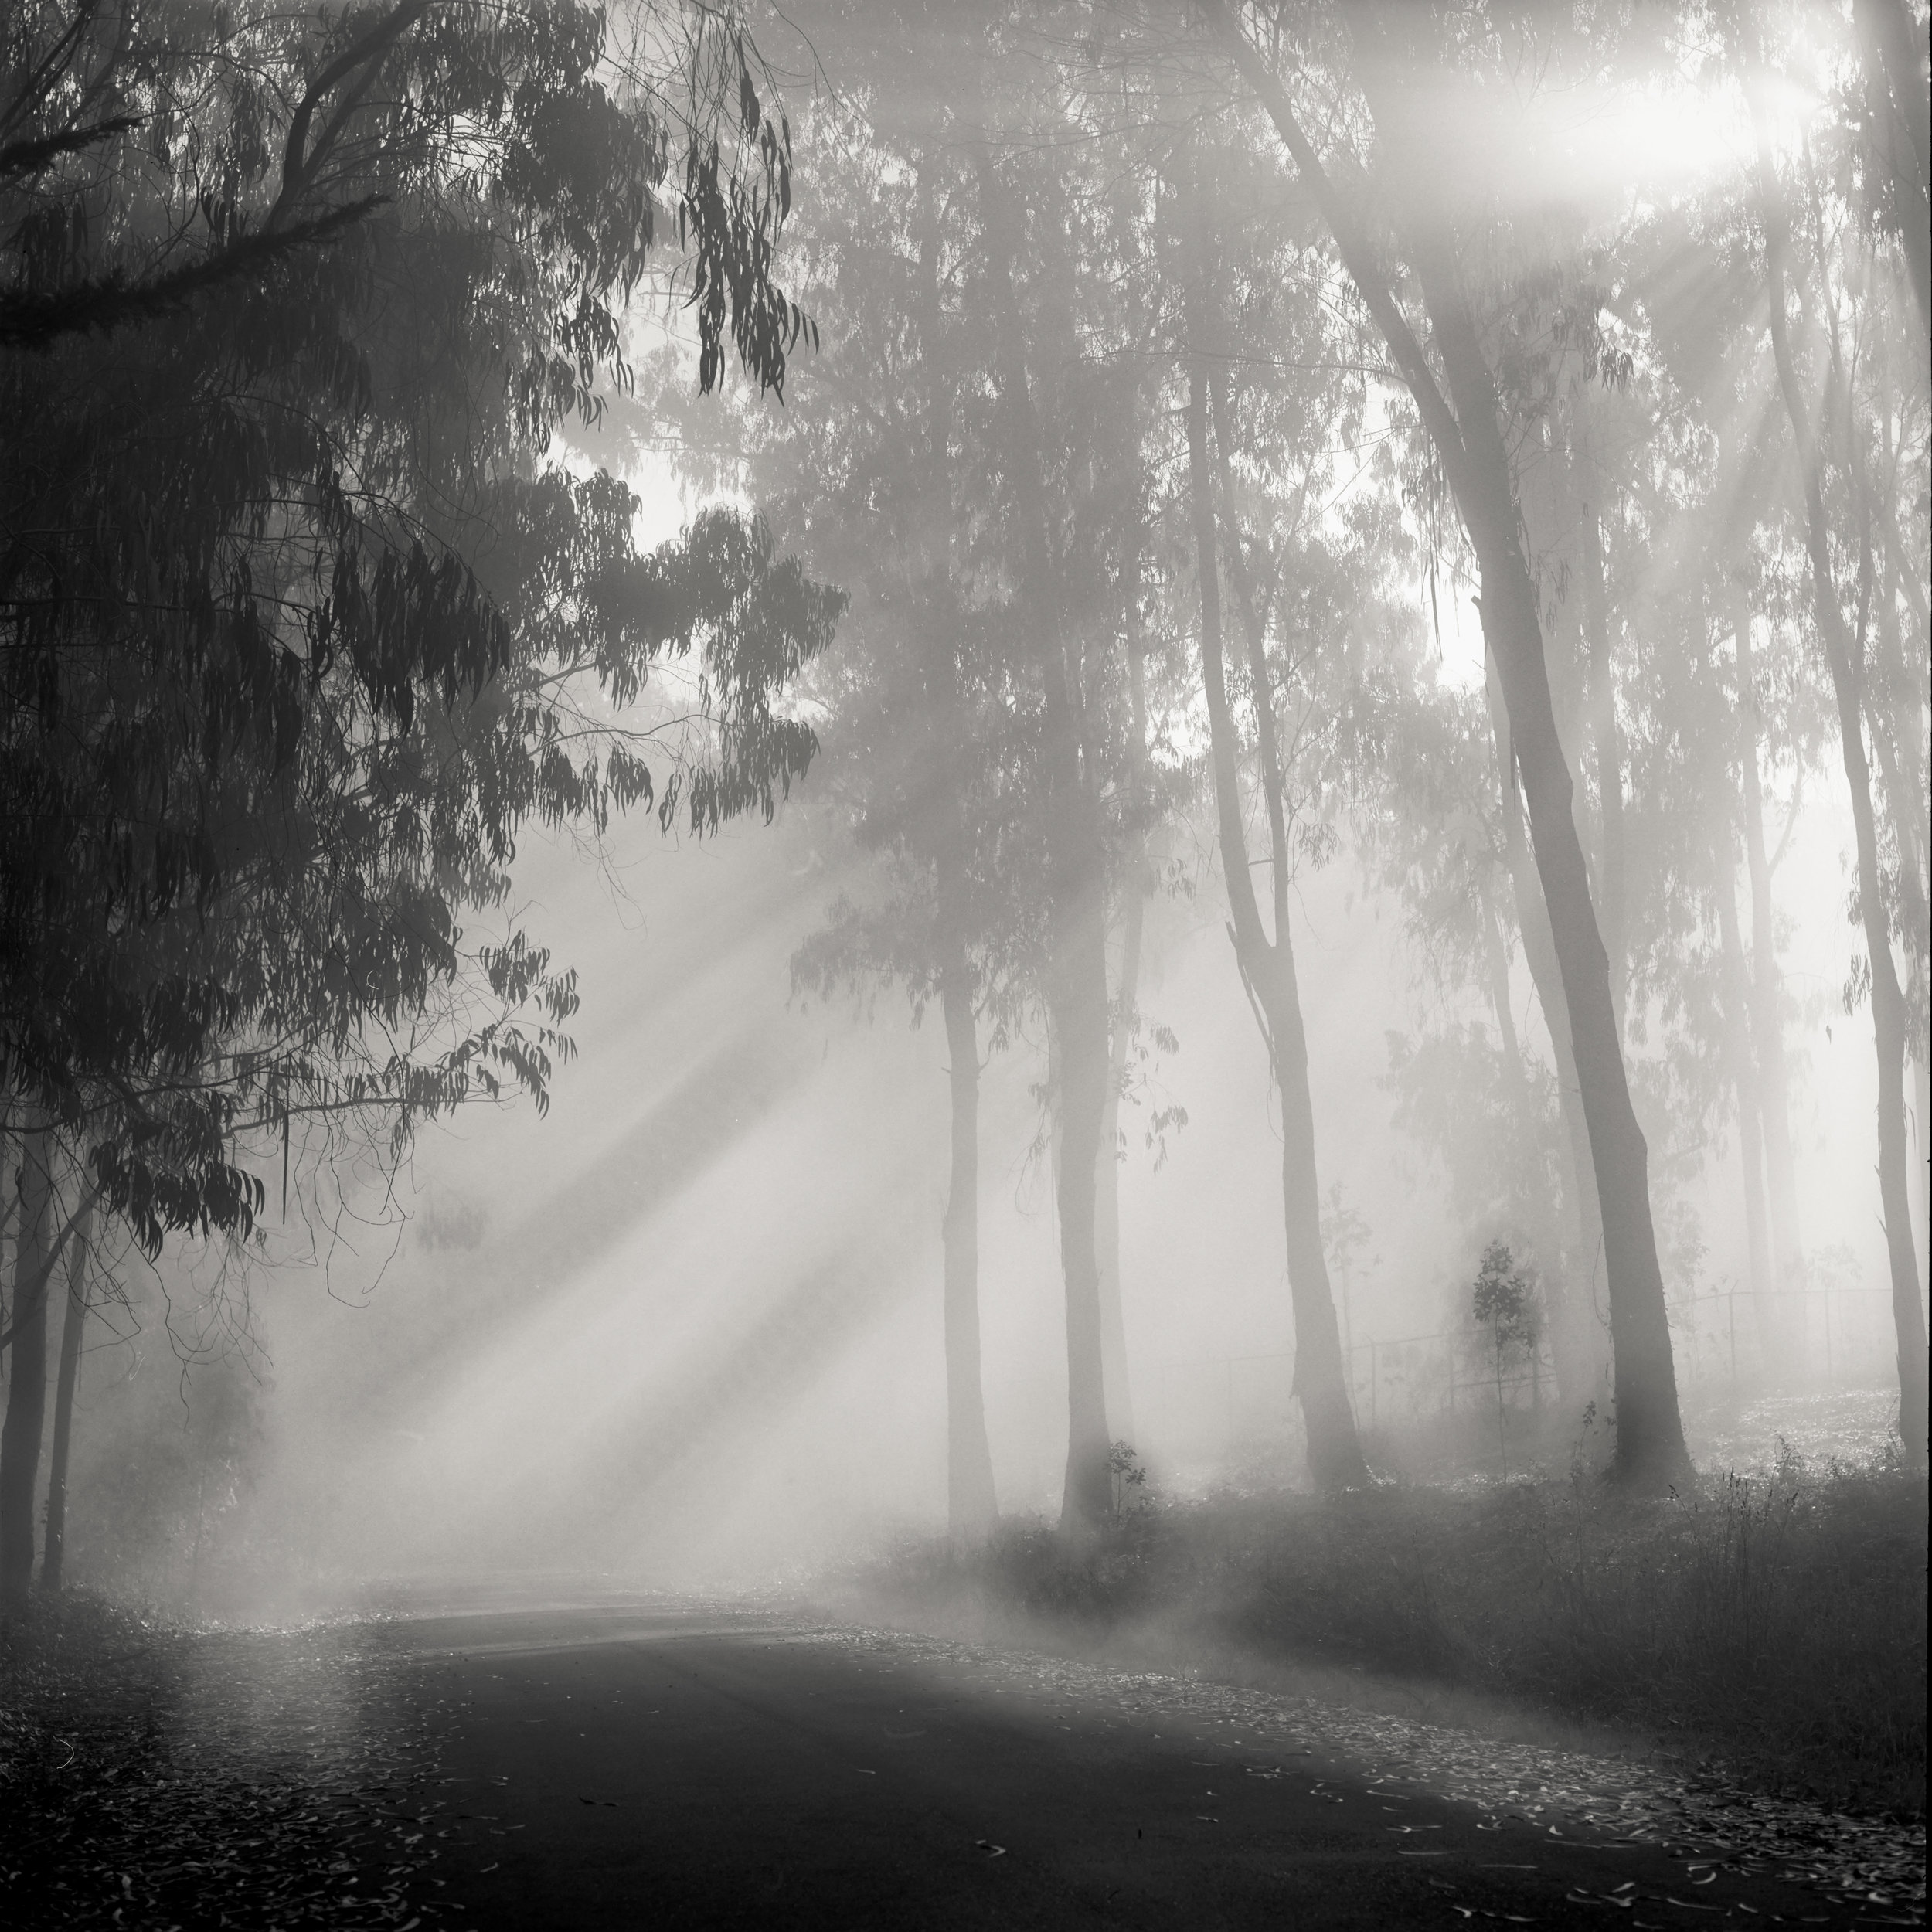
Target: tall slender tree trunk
{"x": 1742, "y": 1067}
{"x": 1923, "y": 1098}
{"x": 53, "y": 1555}
{"x": 1843, "y": 657}
{"x": 9, "y": 1203}
{"x": 1079, "y": 1017}
{"x": 1466, "y": 431}
{"x": 1496, "y": 960}
{"x": 1650, "y": 1438}
{"x": 1611, "y": 873}
{"x": 1335, "y": 1460}
{"x": 1076, "y": 917}
{"x": 971, "y": 1507}
{"x": 1767, "y": 991}
{"x": 1119, "y": 1388}
{"x": 1578, "y": 1339}
{"x": 27, "y": 1373}
{"x": 1651, "y": 1452}
{"x": 1896, "y": 712}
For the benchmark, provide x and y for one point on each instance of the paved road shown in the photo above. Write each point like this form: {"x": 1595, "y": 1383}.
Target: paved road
{"x": 628, "y": 1768}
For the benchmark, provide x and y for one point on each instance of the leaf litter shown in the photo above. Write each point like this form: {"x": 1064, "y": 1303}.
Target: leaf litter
{"x": 1708, "y": 1824}
{"x": 247, "y": 1779}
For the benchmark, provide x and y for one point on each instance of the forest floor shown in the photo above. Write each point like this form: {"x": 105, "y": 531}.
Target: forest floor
{"x": 1769, "y": 1627}
{"x": 500, "y": 1761}
{"x": 1532, "y": 1701}
{"x": 155, "y": 1776}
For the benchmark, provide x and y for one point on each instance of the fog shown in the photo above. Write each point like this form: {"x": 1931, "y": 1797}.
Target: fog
{"x": 963, "y": 894}
{"x": 684, "y": 1329}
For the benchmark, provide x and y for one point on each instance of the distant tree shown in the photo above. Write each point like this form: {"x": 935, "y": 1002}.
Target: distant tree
{"x": 73, "y": 1331}
{"x": 1503, "y": 1300}
{"x": 973, "y": 454}
{"x": 1265, "y": 961}
{"x": 1841, "y": 392}
{"x": 929, "y": 743}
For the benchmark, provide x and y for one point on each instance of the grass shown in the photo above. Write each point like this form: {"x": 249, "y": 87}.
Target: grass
{"x": 1778, "y": 1625}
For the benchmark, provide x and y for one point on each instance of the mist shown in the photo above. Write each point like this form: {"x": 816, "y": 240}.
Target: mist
{"x": 1065, "y": 865}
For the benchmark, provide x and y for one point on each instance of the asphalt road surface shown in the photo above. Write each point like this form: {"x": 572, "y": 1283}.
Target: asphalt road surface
{"x": 636, "y": 1768}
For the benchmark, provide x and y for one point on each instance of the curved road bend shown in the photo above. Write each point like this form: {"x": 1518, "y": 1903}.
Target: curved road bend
{"x": 639, "y": 1767}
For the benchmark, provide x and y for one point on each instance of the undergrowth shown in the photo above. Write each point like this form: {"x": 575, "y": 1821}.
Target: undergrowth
{"x": 1779, "y": 1624}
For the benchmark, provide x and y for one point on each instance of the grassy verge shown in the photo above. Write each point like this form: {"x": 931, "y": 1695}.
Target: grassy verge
{"x": 1779, "y": 1625}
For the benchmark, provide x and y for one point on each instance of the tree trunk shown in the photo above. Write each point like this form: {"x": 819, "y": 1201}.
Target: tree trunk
{"x": 972, "y": 1506}
{"x": 1577, "y": 1336}
{"x": 27, "y": 1373}
{"x": 1923, "y": 1097}
{"x": 54, "y": 1552}
{"x": 1610, "y": 763}
{"x": 9, "y": 1205}
{"x": 1895, "y": 711}
{"x": 1077, "y": 917}
{"x": 1120, "y": 1395}
{"x": 1888, "y": 997}
{"x": 1335, "y": 1461}
{"x": 1496, "y": 958}
{"x": 1467, "y": 435}
{"x": 1767, "y": 1013}
{"x": 1651, "y": 1452}
{"x": 1743, "y": 1067}
{"x": 1078, "y": 1016}
{"x": 1119, "y": 1388}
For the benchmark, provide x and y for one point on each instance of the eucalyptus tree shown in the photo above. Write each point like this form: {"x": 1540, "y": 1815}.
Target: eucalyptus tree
{"x": 299, "y": 627}
{"x": 248, "y": 543}
{"x": 1048, "y": 442}
{"x": 1851, "y": 365}
{"x": 1422, "y": 229}
{"x": 969, "y": 450}
{"x": 930, "y": 733}
{"x": 1720, "y": 510}
{"x": 1293, "y": 599}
